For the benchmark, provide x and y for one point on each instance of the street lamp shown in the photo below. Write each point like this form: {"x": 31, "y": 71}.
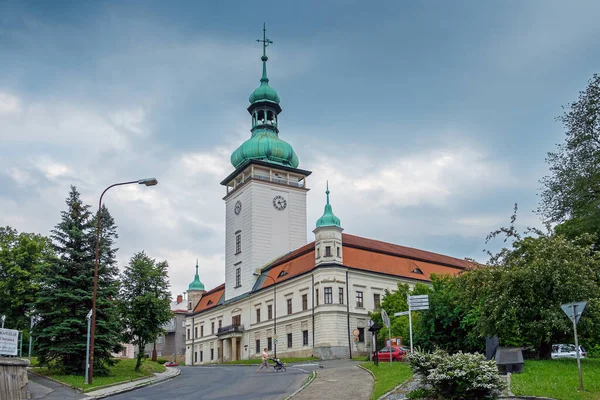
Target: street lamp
{"x": 146, "y": 182}
{"x": 274, "y": 312}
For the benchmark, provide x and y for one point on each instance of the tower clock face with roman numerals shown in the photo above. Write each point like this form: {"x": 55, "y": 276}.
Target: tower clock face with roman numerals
{"x": 238, "y": 207}
{"x": 279, "y": 203}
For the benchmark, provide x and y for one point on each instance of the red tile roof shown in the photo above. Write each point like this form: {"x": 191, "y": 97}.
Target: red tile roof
{"x": 212, "y": 296}
{"x": 369, "y": 255}
{"x": 360, "y": 254}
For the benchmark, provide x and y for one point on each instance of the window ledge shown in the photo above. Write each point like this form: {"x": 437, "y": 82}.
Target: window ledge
{"x": 238, "y": 286}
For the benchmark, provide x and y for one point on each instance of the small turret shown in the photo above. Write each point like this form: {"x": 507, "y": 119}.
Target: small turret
{"x": 328, "y": 237}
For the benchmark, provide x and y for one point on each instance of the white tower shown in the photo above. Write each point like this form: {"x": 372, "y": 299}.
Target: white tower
{"x": 265, "y": 198}
{"x": 328, "y": 237}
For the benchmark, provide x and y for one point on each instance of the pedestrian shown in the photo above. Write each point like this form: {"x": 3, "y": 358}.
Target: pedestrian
{"x": 265, "y": 361}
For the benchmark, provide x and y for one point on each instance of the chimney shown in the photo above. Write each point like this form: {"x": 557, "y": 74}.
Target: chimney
{"x": 179, "y": 298}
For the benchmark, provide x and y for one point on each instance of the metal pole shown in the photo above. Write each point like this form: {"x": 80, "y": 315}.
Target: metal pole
{"x": 30, "y": 336}
{"x": 21, "y": 344}
{"x": 3, "y": 318}
{"x": 275, "y": 315}
{"x": 87, "y": 354}
{"x": 95, "y": 292}
{"x": 410, "y": 325}
{"x": 577, "y": 346}
{"x": 390, "y": 336}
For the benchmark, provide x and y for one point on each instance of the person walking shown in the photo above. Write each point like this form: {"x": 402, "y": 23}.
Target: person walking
{"x": 265, "y": 361}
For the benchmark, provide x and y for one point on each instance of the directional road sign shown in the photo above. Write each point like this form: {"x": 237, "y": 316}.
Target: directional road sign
{"x": 385, "y": 318}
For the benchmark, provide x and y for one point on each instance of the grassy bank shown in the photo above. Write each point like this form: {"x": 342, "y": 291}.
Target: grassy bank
{"x": 123, "y": 371}
{"x": 558, "y": 379}
{"x": 386, "y": 377}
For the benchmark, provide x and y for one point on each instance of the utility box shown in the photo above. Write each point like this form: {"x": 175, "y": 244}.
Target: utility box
{"x": 509, "y": 359}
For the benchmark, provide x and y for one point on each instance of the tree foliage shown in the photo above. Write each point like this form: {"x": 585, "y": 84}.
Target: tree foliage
{"x": 145, "y": 300}
{"x": 65, "y": 295}
{"x": 22, "y": 257}
{"x": 571, "y": 192}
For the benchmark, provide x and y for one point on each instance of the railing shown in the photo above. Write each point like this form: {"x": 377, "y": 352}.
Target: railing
{"x": 230, "y": 328}
{"x": 283, "y": 181}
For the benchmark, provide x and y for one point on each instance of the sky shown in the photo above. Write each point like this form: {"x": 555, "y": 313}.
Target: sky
{"x": 430, "y": 119}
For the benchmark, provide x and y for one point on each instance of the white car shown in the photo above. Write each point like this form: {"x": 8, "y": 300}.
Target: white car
{"x": 567, "y": 351}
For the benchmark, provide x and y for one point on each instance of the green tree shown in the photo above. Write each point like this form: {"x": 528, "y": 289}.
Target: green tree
{"x": 520, "y": 296}
{"x": 452, "y": 319}
{"x": 145, "y": 301}
{"x": 65, "y": 296}
{"x": 571, "y": 193}
{"x": 22, "y": 256}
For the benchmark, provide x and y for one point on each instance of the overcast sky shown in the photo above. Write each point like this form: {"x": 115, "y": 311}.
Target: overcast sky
{"x": 430, "y": 119}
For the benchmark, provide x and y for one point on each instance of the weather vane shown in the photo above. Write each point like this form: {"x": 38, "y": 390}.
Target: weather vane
{"x": 265, "y": 40}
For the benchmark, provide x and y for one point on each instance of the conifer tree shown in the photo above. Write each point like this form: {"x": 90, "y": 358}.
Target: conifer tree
{"x": 65, "y": 296}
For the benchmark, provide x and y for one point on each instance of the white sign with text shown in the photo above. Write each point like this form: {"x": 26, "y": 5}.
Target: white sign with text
{"x": 9, "y": 342}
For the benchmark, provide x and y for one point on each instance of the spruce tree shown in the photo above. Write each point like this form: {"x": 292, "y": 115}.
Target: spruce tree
{"x": 66, "y": 294}
{"x": 65, "y": 297}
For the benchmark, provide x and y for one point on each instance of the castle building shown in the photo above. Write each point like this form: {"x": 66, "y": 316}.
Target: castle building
{"x": 294, "y": 298}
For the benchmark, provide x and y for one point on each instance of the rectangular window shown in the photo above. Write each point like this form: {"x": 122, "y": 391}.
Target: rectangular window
{"x": 270, "y": 311}
{"x": 220, "y": 323}
{"x": 328, "y": 293}
{"x": 257, "y": 346}
{"x": 236, "y": 320}
{"x": 258, "y": 315}
{"x": 202, "y": 331}
{"x": 188, "y": 332}
{"x": 377, "y": 300}
{"x": 327, "y": 251}
{"x": 238, "y": 243}
{"x": 269, "y": 344}
{"x": 317, "y": 295}
{"x": 201, "y": 358}
{"x": 304, "y": 338}
{"x": 289, "y": 306}
{"x": 212, "y": 354}
{"x": 361, "y": 335}
{"x": 196, "y": 332}
{"x": 289, "y": 340}
{"x": 341, "y": 292}
{"x": 238, "y": 277}
{"x": 212, "y": 328}
{"x": 304, "y": 302}
{"x": 195, "y": 356}
{"x": 338, "y": 251}
{"x": 359, "y": 299}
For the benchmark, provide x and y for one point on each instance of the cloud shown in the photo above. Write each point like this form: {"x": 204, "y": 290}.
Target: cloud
{"x": 9, "y": 104}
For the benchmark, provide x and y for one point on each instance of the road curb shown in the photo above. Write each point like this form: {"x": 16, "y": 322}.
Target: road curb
{"x": 91, "y": 396}
{"x": 312, "y": 377}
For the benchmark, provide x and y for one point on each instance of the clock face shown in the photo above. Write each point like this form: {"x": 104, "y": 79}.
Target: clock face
{"x": 279, "y": 203}
{"x": 238, "y": 207}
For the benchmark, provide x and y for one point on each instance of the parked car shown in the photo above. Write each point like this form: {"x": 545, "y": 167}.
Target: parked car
{"x": 567, "y": 351}
{"x": 171, "y": 364}
{"x": 396, "y": 353}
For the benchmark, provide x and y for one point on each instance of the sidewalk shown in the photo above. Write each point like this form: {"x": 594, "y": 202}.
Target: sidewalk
{"x": 171, "y": 372}
{"x": 340, "y": 379}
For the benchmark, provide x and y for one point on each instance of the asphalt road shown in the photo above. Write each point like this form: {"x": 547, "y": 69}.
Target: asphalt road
{"x": 42, "y": 388}
{"x": 224, "y": 382}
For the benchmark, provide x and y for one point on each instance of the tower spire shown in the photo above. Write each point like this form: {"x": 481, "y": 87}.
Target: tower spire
{"x": 328, "y": 218}
{"x": 266, "y": 42}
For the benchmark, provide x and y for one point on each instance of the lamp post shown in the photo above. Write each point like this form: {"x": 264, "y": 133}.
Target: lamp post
{"x": 274, "y": 312}
{"x": 147, "y": 182}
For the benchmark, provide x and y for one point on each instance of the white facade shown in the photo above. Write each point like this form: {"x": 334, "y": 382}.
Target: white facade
{"x": 329, "y": 326}
{"x": 265, "y": 218}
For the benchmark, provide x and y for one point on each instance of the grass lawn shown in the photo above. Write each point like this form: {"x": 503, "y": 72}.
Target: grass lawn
{"x": 386, "y": 377}
{"x": 257, "y": 361}
{"x": 558, "y": 379}
{"x": 121, "y": 372}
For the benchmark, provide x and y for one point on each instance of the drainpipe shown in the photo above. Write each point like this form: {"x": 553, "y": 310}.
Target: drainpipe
{"x": 348, "y": 315}
{"x": 313, "y": 312}
{"x": 193, "y": 339}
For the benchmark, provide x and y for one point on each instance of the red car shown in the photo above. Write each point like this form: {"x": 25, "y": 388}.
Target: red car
{"x": 396, "y": 353}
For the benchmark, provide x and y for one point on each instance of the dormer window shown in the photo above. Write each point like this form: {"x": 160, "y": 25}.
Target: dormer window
{"x": 209, "y": 303}
{"x": 282, "y": 273}
{"x": 417, "y": 271}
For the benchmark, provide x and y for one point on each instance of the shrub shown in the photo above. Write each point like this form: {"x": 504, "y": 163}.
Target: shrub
{"x": 457, "y": 376}
{"x": 161, "y": 361}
